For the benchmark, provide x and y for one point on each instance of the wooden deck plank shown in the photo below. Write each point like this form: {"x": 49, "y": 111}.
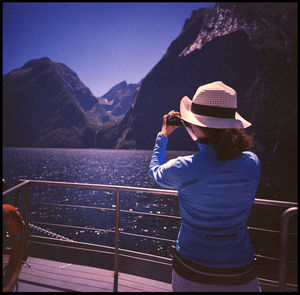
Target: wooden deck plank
{"x": 141, "y": 284}
{"x": 43, "y": 275}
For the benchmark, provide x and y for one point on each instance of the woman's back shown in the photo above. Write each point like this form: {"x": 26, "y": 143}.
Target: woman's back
{"x": 211, "y": 188}
{"x": 215, "y": 198}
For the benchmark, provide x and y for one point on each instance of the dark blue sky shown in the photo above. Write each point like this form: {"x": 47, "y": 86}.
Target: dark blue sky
{"x": 104, "y": 43}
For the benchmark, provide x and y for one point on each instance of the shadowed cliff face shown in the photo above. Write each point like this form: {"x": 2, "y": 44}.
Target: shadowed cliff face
{"x": 38, "y": 108}
{"x": 252, "y": 48}
{"x": 46, "y": 105}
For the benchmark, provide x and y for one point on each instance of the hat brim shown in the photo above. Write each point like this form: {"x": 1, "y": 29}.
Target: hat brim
{"x": 211, "y": 122}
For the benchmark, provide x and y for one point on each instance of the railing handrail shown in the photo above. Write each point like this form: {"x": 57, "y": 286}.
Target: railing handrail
{"x": 106, "y": 186}
{"x": 118, "y": 188}
{"x": 12, "y": 189}
{"x": 258, "y": 201}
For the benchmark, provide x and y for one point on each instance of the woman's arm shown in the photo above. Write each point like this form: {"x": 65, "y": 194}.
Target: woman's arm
{"x": 161, "y": 173}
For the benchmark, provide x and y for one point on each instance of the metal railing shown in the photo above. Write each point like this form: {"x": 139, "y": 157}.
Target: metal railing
{"x": 285, "y": 218}
{"x": 292, "y": 210}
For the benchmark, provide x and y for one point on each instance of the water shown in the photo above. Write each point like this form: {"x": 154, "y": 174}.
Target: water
{"x": 94, "y": 166}
{"x": 120, "y": 167}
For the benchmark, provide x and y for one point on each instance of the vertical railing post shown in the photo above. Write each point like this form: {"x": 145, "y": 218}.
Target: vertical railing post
{"x": 16, "y": 200}
{"x": 283, "y": 247}
{"x": 3, "y": 190}
{"x": 116, "y": 263}
{"x": 27, "y": 207}
{"x": 26, "y": 250}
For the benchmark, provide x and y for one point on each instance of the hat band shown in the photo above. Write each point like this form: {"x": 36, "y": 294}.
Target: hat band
{"x": 211, "y": 111}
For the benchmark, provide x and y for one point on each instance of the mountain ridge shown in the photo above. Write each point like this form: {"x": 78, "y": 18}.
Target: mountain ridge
{"x": 46, "y": 105}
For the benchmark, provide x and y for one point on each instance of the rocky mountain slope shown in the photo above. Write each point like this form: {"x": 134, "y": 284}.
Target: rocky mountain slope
{"x": 46, "y": 105}
{"x": 115, "y": 103}
{"x": 251, "y": 47}
{"x": 39, "y": 109}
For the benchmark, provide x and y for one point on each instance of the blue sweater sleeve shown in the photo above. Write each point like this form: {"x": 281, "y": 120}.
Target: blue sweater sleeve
{"x": 165, "y": 175}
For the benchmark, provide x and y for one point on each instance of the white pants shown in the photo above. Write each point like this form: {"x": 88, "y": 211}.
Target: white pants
{"x": 180, "y": 284}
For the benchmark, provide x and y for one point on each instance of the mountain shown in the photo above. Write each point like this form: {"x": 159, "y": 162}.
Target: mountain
{"x": 116, "y": 102}
{"x": 118, "y": 99}
{"x": 252, "y": 47}
{"x": 44, "y": 105}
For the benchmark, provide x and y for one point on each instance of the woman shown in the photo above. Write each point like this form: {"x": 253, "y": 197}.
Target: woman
{"x": 216, "y": 190}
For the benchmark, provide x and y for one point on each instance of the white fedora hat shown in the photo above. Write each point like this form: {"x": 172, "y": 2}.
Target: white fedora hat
{"x": 214, "y": 105}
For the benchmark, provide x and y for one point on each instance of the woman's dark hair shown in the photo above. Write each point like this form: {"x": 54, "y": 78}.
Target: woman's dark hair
{"x": 228, "y": 143}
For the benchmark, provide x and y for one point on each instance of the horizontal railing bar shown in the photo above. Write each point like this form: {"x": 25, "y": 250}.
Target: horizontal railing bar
{"x": 151, "y": 214}
{"x": 71, "y": 247}
{"x": 275, "y": 203}
{"x": 272, "y": 258}
{"x": 142, "y": 253}
{"x": 266, "y": 257}
{"x": 104, "y": 186}
{"x": 144, "y": 259}
{"x": 149, "y": 237}
{"x": 263, "y": 229}
{"x": 73, "y": 206}
{"x": 111, "y": 209}
{"x": 24, "y": 182}
{"x": 268, "y": 230}
{"x": 85, "y": 244}
{"x": 272, "y": 283}
{"x": 149, "y": 190}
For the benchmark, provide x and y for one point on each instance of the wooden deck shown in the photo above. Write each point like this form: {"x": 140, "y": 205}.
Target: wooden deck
{"x": 42, "y": 275}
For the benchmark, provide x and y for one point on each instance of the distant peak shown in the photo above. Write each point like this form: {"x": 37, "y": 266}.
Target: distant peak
{"x": 122, "y": 83}
{"x": 35, "y": 62}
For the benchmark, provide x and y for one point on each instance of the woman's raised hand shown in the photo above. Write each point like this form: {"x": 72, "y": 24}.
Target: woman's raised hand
{"x": 166, "y": 130}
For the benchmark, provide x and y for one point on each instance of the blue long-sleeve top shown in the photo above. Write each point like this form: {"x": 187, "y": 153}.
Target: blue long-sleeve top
{"x": 215, "y": 198}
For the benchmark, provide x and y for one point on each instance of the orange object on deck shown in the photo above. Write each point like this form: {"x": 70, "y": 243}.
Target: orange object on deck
{"x": 15, "y": 224}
